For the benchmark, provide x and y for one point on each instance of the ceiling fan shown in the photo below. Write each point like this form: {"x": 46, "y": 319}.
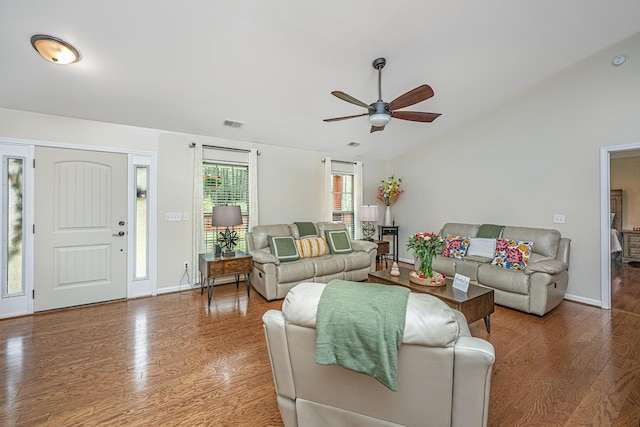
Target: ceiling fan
{"x": 380, "y": 112}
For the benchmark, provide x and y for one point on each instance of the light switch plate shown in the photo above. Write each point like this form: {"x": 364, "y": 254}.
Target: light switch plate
{"x": 558, "y": 218}
{"x": 173, "y": 216}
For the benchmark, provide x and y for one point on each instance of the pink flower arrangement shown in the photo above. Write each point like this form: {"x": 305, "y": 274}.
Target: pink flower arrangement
{"x": 425, "y": 246}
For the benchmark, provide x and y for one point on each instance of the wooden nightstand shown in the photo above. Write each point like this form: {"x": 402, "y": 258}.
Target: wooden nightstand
{"x": 630, "y": 245}
{"x": 212, "y": 266}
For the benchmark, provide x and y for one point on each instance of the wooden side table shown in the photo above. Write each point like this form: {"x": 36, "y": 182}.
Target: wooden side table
{"x": 388, "y": 230}
{"x": 383, "y": 251}
{"x": 212, "y": 267}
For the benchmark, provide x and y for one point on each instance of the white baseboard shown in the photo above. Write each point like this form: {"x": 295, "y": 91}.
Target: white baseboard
{"x": 583, "y": 300}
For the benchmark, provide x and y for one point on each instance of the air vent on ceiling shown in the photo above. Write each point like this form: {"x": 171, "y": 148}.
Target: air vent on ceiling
{"x": 233, "y": 124}
{"x": 353, "y": 144}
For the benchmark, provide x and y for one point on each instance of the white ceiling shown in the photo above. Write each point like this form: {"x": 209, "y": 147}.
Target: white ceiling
{"x": 188, "y": 65}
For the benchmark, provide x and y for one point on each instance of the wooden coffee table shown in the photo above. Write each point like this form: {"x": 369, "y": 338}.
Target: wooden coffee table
{"x": 476, "y": 304}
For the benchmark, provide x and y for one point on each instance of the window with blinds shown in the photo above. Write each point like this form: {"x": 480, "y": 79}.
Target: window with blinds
{"x": 342, "y": 194}
{"x": 225, "y": 185}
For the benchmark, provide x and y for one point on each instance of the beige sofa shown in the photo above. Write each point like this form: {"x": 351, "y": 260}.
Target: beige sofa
{"x": 273, "y": 278}
{"x": 537, "y": 289}
{"x": 444, "y": 374}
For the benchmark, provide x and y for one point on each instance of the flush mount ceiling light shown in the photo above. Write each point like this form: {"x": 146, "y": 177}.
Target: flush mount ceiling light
{"x": 54, "y": 50}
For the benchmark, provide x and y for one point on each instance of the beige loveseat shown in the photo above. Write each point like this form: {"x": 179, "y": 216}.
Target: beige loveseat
{"x": 444, "y": 374}
{"x": 273, "y": 278}
{"x": 537, "y": 289}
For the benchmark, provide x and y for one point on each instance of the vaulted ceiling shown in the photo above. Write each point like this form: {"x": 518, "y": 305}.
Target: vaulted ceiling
{"x": 188, "y": 66}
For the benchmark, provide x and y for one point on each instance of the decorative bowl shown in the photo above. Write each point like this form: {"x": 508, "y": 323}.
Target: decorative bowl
{"x": 438, "y": 279}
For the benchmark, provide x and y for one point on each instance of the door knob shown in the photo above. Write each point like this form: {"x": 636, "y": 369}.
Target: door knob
{"x": 120, "y": 234}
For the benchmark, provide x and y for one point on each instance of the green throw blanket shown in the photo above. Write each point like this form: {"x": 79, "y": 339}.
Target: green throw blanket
{"x": 359, "y": 326}
{"x": 306, "y": 229}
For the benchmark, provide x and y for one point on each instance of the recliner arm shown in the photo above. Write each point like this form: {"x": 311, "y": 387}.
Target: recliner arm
{"x": 549, "y": 266}
{"x": 363, "y": 246}
{"x": 262, "y": 257}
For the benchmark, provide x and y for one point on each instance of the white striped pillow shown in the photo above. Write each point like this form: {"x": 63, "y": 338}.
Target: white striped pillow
{"x": 313, "y": 246}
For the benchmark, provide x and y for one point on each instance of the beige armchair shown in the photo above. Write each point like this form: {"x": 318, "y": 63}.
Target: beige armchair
{"x": 444, "y": 374}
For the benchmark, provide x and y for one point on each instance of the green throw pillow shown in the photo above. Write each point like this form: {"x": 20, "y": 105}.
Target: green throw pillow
{"x": 490, "y": 231}
{"x": 338, "y": 241}
{"x": 284, "y": 248}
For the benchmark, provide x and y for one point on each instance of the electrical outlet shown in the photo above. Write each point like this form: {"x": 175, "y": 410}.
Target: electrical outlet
{"x": 186, "y": 265}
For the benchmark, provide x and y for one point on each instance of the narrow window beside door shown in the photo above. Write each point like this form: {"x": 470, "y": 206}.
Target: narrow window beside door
{"x": 13, "y": 228}
{"x": 141, "y": 234}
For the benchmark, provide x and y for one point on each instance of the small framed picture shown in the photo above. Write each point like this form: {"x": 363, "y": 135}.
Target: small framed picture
{"x": 461, "y": 282}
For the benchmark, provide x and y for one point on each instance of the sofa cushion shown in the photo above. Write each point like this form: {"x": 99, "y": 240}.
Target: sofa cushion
{"x": 481, "y": 247}
{"x": 512, "y": 254}
{"x": 328, "y": 265}
{"x": 455, "y": 246}
{"x": 546, "y": 242}
{"x": 312, "y": 247}
{"x": 259, "y": 234}
{"x": 284, "y": 248}
{"x": 503, "y": 279}
{"x": 301, "y": 270}
{"x": 338, "y": 241}
{"x": 457, "y": 229}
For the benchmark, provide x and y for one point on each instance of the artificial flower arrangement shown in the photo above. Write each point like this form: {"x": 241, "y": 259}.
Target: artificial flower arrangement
{"x": 425, "y": 246}
{"x": 389, "y": 190}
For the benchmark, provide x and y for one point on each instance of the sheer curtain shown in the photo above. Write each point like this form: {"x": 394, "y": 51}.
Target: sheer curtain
{"x": 328, "y": 190}
{"x": 253, "y": 188}
{"x": 357, "y": 198}
{"x": 197, "y": 239}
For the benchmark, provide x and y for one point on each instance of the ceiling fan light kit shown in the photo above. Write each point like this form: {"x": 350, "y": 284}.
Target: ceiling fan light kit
{"x": 380, "y": 112}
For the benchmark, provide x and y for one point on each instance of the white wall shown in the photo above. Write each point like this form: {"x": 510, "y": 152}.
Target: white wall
{"x": 290, "y": 181}
{"x": 625, "y": 175}
{"x": 531, "y": 157}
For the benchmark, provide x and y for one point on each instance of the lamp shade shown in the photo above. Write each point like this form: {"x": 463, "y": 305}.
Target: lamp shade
{"x": 226, "y": 216}
{"x": 368, "y": 213}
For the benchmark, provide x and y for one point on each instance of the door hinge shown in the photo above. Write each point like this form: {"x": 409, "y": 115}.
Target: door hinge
{"x": 34, "y": 229}
{"x": 33, "y": 294}
{"x": 34, "y": 163}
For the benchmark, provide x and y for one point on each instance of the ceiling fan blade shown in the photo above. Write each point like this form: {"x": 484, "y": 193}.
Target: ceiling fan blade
{"x": 415, "y": 116}
{"x": 412, "y": 97}
{"x": 349, "y": 98}
{"x": 376, "y": 128}
{"x": 345, "y": 117}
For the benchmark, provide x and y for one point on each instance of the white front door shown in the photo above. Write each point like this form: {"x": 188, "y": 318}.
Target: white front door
{"x": 80, "y": 227}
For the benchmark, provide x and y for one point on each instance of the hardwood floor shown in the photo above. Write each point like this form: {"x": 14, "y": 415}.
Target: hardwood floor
{"x": 625, "y": 287}
{"x": 170, "y": 360}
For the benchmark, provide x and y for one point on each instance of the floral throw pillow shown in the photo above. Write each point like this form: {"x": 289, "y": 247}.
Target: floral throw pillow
{"x": 512, "y": 254}
{"x": 455, "y": 246}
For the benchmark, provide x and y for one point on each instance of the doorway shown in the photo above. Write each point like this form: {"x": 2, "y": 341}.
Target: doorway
{"x": 605, "y": 224}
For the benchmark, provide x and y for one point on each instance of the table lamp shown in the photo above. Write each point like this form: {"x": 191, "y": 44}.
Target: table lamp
{"x": 368, "y": 215}
{"x": 227, "y": 216}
